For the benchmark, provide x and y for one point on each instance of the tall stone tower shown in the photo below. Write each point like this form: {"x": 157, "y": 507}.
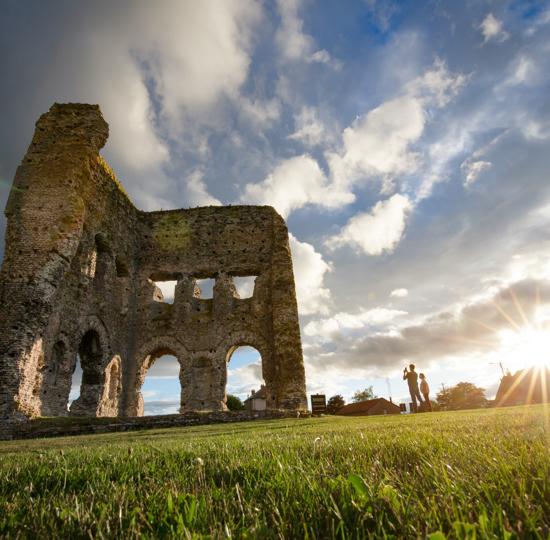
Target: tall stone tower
{"x": 78, "y": 278}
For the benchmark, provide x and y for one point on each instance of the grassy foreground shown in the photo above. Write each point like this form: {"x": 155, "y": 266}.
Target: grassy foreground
{"x": 483, "y": 474}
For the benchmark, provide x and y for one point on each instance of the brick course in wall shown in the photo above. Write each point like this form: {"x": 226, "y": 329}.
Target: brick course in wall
{"x": 79, "y": 274}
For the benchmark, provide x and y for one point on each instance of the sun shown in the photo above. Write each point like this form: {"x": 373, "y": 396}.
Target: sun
{"x": 525, "y": 348}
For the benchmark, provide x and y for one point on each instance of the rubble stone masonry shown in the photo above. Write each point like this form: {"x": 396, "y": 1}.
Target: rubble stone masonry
{"x": 78, "y": 278}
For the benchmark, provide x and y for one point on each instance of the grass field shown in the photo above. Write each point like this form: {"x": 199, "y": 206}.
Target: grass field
{"x": 482, "y": 474}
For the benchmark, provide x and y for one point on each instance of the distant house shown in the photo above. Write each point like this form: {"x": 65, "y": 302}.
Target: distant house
{"x": 369, "y": 407}
{"x": 524, "y": 387}
{"x": 257, "y": 401}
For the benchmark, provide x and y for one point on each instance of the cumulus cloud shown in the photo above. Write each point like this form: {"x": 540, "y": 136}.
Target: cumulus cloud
{"x": 197, "y": 191}
{"x": 343, "y": 321}
{"x": 474, "y": 327}
{"x": 493, "y": 29}
{"x": 261, "y": 113}
{"x": 377, "y": 231}
{"x": 399, "y": 293}
{"x": 378, "y": 144}
{"x": 294, "y": 183}
{"x": 309, "y": 272}
{"x": 184, "y": 78}
{"x": 310, "y": 131}
{"x": 243, "y": 379}
{"x": 149, "y": 67}
{"x": 293, "y": 43}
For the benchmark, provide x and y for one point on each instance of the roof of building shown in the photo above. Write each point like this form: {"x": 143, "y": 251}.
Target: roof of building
{"x": 260, "y": 394}
{"x": 363, "y": 407}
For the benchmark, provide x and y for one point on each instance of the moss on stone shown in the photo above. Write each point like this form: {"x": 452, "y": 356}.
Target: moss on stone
{"x": 172, "y": 232}
{"x": 111, "y": 174}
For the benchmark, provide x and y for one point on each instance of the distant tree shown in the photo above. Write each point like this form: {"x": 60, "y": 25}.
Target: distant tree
{"x": 335, "y": 403}
{"x": 363, "y": 395}
{"x": 464, "y": 395}
{"x": 234, "y": 403}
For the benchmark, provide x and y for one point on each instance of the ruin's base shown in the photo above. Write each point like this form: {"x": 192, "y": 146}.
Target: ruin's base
{"x": 60, "y": 427}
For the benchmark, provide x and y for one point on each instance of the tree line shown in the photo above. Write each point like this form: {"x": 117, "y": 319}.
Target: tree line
{"x": 464, "y": 395}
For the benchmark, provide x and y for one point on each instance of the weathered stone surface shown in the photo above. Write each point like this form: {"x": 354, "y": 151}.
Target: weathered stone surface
{"x": 78, "y": 278}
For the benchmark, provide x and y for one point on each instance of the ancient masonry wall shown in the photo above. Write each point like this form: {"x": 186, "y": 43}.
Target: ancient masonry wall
{"x": 78, "y": 278}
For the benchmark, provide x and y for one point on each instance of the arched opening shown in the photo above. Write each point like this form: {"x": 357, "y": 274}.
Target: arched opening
{"x": 76, "y": 381}
{"x": 89, "y": 369}
{"x": 109, "y": 405}
{"x": 161, "y": 389}
{"x": 245, "y": 379}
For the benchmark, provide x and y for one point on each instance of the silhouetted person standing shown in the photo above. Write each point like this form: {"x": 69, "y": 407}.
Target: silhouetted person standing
{"x": 412, "y": 380}
{"x": 425, "y": 390}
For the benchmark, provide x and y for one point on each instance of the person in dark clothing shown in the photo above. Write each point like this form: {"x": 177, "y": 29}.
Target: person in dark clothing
{"x": 411, "y": 376}
{"x": 425, "y": 391}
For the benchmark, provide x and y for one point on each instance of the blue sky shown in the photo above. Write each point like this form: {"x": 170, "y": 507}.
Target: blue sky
{"x": 406, "y": 144}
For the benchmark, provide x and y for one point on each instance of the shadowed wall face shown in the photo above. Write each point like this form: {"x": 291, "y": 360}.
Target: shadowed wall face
{"x": 80, "y": 274}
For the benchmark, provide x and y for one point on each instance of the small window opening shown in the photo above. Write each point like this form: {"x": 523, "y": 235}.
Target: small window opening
{"x": 245, "y": 285}
{"x": 206, "y": 287}
{"x": 101, "y": 243}
{"x": 167, "y": 290}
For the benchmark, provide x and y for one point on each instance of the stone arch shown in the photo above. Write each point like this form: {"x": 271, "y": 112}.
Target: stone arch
{"x": 146, "y": 357}
{"x": 92, "y": 345}
{"x": 109, "y": 405}
{"x": 251, "y": 339}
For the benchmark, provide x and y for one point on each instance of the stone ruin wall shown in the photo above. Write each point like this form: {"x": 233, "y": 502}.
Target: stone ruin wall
{"x": 78, "y": 278}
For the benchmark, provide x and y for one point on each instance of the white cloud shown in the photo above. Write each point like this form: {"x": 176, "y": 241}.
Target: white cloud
{"x": 294, "y": 183}
{"x": 399, "y": 293}
{"x": 260, "y": 113}
{"x": 378, "y": 144}
{"x": 492, "y": 29}
{"x": 523, "y": 71}
{"x": 293, "y": 43}
{"x": 351, "y": 321}
{"x": 436, "y": 86}
{"x": 377, "y": 231}
{"x": 472, "y": 170}
{"x": 196, "y": 52}
{"x": 187, "y": 55}
{"x": 309, "y": 272}
{"x": 322, "y": 56}
{"x": 197, "y": 191}
{"x": 241, "y": 380}
{"x": 310, "y": 131}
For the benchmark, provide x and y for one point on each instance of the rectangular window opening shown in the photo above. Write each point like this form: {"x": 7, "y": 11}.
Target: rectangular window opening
{"x": 165, "y": 291}
{"x": 245, "y": 285}
{"x": 206, "y": 287}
